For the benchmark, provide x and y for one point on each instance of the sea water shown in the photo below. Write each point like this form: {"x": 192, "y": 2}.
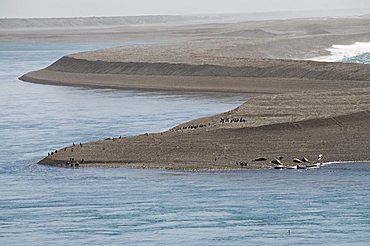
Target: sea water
{"x": 41, "y": 205}
{"x": 363, "y": 58}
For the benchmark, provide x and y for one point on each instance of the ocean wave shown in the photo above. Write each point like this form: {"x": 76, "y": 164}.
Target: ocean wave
{"x": 341, "y": 52}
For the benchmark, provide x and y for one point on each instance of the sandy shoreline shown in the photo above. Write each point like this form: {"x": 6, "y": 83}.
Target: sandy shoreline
{"x": 204, "y": 84}
{"x": 298, "y": 108}
{"x": 224, "y": 148}
{"x": 290, "y": 125}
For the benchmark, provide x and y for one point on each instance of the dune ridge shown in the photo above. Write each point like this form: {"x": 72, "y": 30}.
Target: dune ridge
{"x": 240, "y": 68}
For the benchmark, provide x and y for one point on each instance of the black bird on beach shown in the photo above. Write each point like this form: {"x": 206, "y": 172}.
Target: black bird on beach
{"x": 73, "y": 144}
{"x": 80, "y": 144}
{"x": 242, "y": 163}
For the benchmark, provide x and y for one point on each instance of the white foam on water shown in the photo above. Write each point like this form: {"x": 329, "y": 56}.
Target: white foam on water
{"x": 340, "y": 52}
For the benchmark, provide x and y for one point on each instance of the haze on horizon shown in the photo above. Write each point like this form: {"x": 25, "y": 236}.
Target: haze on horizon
{"x": 85, "y": 8}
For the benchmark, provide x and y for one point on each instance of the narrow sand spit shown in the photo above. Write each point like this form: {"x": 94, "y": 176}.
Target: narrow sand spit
{"x": 289, "y": 125}
{"x": 298, "y": 108}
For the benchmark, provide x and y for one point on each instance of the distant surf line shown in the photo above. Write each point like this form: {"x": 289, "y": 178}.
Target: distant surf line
{"x": 342, "y": 52}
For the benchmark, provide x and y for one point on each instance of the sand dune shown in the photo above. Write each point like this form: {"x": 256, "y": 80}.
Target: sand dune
{"x": 255, "y": 33}
{"x": 95, "y": 21}
{"x": 237, "y": 68}
{"x": 18, "y": 23}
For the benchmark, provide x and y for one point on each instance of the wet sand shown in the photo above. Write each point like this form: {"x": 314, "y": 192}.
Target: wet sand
{"x": 298, "y": 108}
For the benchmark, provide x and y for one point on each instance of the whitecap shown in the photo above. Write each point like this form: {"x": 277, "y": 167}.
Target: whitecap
{"x": 340, "y": 52}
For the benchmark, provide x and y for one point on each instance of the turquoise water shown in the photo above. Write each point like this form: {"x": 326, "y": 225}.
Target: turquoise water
{"x": 362, "y": 58}
{"x": 42, "y": 205}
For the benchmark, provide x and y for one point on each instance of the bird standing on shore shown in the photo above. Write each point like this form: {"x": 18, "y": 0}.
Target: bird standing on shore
{"x": 320, "y": 158}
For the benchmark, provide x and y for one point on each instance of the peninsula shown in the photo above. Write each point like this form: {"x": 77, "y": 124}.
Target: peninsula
{"x": 297, "y": 107}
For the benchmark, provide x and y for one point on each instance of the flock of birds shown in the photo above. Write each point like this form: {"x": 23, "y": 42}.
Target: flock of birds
{"x": 72, "y": 162}
{"x": 305, "y": 163}
{"x": 233, "y": 120}
{"x": 222, "y": 121}
{"x": 191, "y": 127}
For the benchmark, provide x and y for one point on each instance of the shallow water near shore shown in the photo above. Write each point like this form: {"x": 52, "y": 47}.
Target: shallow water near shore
{"x": 42, "y": 205}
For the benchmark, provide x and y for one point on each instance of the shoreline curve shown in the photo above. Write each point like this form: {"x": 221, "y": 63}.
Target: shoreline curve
{"x": 296, "y": 107}
{"x": 293, "y": 125}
